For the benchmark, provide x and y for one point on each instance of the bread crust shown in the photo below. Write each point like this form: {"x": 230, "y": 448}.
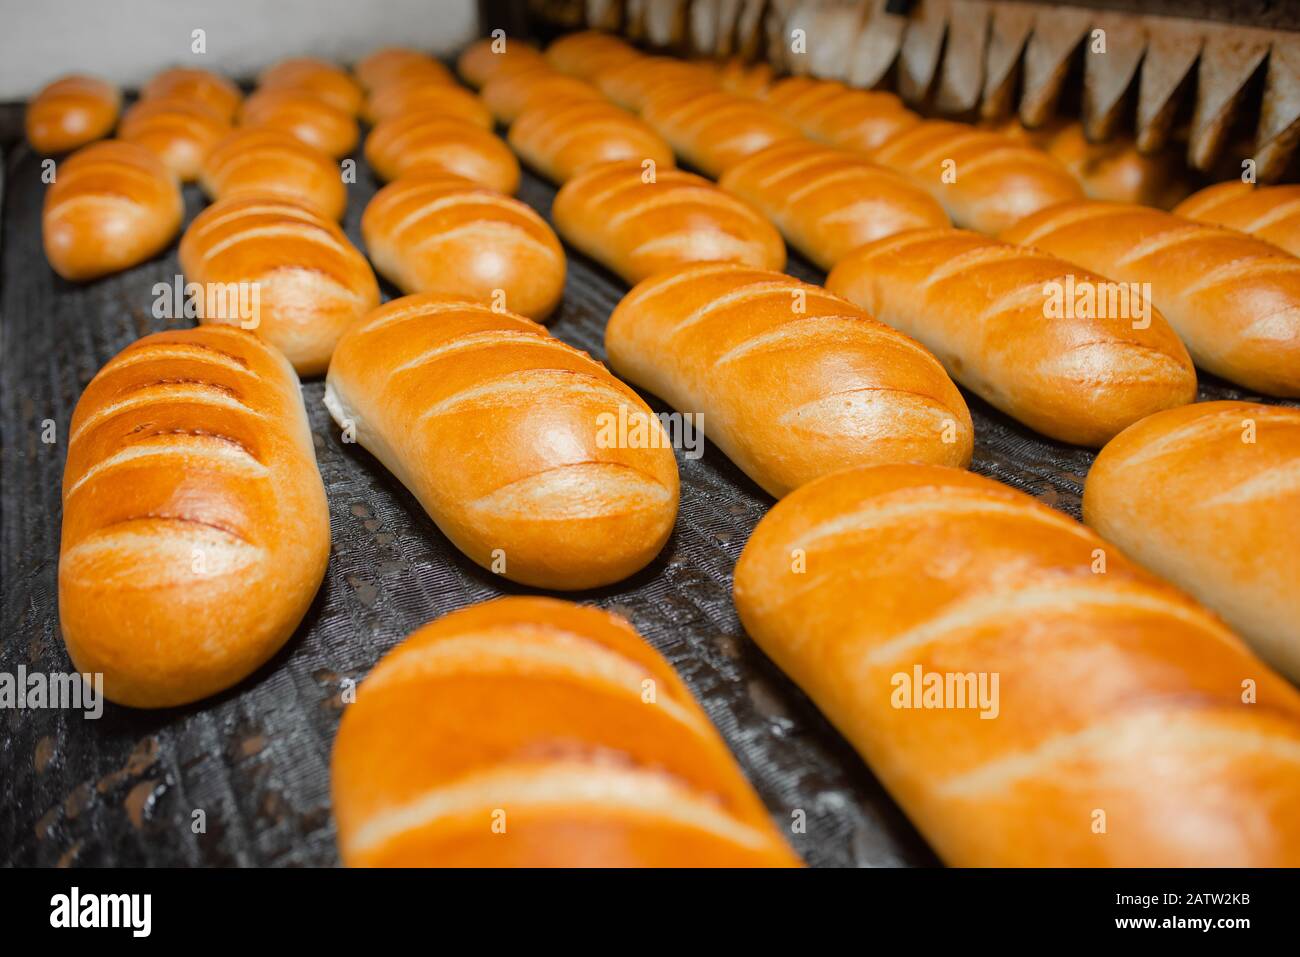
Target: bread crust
{"x": 321, "y": 79}
{"x": 271, "y": 163}
{"x": 211, "y": 90}
{"x": 836, "y": 115}
{"x": 563, "y": 138}
{"x": 180, "y": 132}
{"x": 711, "y": 129}
{"x": 422, "y": 141}
{"x": 481, "y": 62}
{"x": 531, "y": 732}
{"x": 303, "y": 115}
{"x": 1270, "y": 213}
{"x": 426, "y": 95}
{"x": 1119, "y": 734}
{"x": 71, "y": 112}
{"x": 636, "y": 228}
{"x": 499, "y": 430}
{"x": 112, "y": 206}
{"x": 588, "y": 52}
{"x": 792, "y": 381}
{"x": 514, "y": 92}
{"x": 195, "y": 528}
{"x": 399, "y": 65}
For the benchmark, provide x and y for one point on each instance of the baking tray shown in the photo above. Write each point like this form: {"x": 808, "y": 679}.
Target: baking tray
{"x": 124, "y": 790}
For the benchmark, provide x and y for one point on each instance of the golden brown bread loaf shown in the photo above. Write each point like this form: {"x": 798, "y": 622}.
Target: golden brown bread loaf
{"x": 508, "y": 438}
{"x": 1225, "y": 522}
{"x": 180, "y": 132}
{"x": 1117, "y": 733}
{"x": 398, "y": 65}
{"x": 834, "y": 114}
{"x": 792, "y": 382}
{"x": 71, "y": 112}
{"x": 323, "y": 80}
{"x": 826, "y": 201}
{"x": 423, "y": 95}
{"x": 713, "y": 130}
{"x": 311, "y": 283}
{"x": 195, "y": 530}
{"x": 1234, "y": 299}
{"x": 638, "y": 228}
{"x": 434, "y": 232}
{"x": 303, "y": 115}
{"x": 1115, "y": 170}
{"x": 203, "y": 87}
{"x": 631, "y": 83}
{"x": 746, "y": 79}
{"x": 511, "y": 93}
{"x": 561, "y": 139}
{"x": 421, "y": 141}
{"x": 1011, "y": 325}
{"x": 486, "y": 59}
{"x": 985, "y": 181}
{"x": 589, "y": 52}
{"x": 112, "y": 205}
{"x": 531, "y": 732}
{"x": 273, "y": 163}
{"x": 1270, "y": 213}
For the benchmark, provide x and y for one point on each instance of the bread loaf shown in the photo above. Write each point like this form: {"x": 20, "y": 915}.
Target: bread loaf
{"x": 638, "y": 228}
{"x": 631, "y": 83}
{"x": 792, "y": 382}
{"x": 310, "y": 283}
{"x": 1115, "y": 170}
{"x": 303, "y": 115}
{"x": 589, "y": 52}
{"x": 399, "y": 65}
{"x": 426, "y": 96}
{"x": 195, "y": 531}
{"x": 422, "y": 141}
{"x": 71, "y": 112}
{"x": 834, "y": 114}
{"x": 985, "y": 181}
{"x": 180, "y": 132}
{"x": 273, "y": 163}
{"x": 1014, "y": 326}
{"x": 202, "y": 87}
{"x": 509, "y": 439}
{"x": 1270, "y": 213}
{"x": 514, "y": 92}
{"x": 561, "y": 139}
{"x": 1028, "y": 696}
{"x": 746, "y": 79}
{"x": 531, "y": 732}
{"x": 486, "y": 59}
{"x": 1234, "y": 299}
{"x": 325, "y": 81}
{"x": 827, "y": 202}
{"x": 112, "y": 205}
{"x": 1208, "y": 497}
{"x": 433, "y": 232}
{"x": 713, "y": 130}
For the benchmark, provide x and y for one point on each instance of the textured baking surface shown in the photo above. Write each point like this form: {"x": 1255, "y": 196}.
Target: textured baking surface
{"x": 124, "y": 790}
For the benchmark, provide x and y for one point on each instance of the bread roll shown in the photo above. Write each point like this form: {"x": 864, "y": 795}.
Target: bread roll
{"x": 426, "y": 96}
{"x": 71, "y": 112}
{"x": 561, "y": 139}
{"x": 1270, "y": 213}
{"x": 325, "y": 81}
{"x": 433, "y": 232}
{"x": 303, "y": 115}
{"x": 834, "y": 114}
{"x": 589, "y": 52}
{"x": 746, "y": 79}
{"x": 1011, "y": 325}
{"x": 112, "y": 206}
{"x": 486, "y": 59}
{"x": 792, "y": 382}
{"x": 637, "y": 228}
{"x": 421, "y": 141}
{"x": 195, "y": 531}
{"x": 520, "y": 733}
{"x": 311, "y": 283}
{"x": 273, "y": 163}
{"x": 1116, "y": 734}
{"x": 180, "y": 132}
{"x": 399, "y": 65}
{"x": 985, "y": 181}
{"x": 1208, "y": 497}
{"x": 827, "y": 202}
{"x": 714, "y": 130}
{"x": 631, "y": 83}
{"x": 1233, "y": 299}
{"x": 504, "y": 435}
{"x": 203, "y": 87}
{"x": 514, "y": 92}
{"x": 1115, "y": 170}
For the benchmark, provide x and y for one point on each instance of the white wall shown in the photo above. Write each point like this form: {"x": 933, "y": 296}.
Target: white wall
{"x": 127, "y": 41}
